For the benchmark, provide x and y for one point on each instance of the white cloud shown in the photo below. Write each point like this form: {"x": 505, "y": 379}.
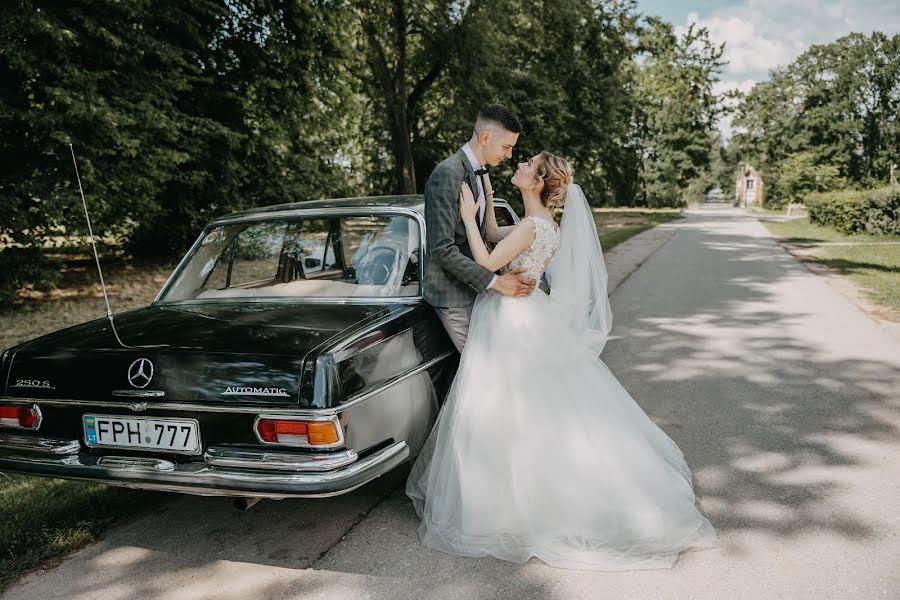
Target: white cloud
{"x": 761, "y": 35}
{"x": 744, "y": 85}
{"x": 749, "y": 49}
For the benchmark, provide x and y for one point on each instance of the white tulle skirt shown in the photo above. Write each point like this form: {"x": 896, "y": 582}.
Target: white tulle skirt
{"x": 539, "y": 451}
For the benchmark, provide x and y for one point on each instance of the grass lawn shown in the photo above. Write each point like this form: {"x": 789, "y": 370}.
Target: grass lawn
{"x": 801, "y": 231}
{"x": 615, "y": 225}
{"x": 876, "y": 268}
{"x": 78, "y": 297}
{"x": 759, "y": 210}
{"x": 42, "y": 518}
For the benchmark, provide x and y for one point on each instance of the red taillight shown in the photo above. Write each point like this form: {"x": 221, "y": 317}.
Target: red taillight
{"x": 20, "y": 417}
{"x": 298, "y": 433}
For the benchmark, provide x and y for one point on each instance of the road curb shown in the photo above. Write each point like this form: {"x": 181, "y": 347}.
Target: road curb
{"x": 884, "y": 317}
{"x": 625, "y": 258}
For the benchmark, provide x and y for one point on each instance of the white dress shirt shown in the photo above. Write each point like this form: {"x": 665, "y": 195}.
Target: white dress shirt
{"x": 475, "y": 166}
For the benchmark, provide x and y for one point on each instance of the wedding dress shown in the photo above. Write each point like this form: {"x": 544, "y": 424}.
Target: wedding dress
{"x": 538, "y": 450}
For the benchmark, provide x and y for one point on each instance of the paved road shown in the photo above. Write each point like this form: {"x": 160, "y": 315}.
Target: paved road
{"x": 784, "y": 397}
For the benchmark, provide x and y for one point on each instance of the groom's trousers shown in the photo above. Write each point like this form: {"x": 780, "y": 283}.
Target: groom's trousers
{"x": 455, "y": 320}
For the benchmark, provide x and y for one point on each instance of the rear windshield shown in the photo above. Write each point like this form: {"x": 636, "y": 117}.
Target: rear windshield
{"x": 324, "y": 257}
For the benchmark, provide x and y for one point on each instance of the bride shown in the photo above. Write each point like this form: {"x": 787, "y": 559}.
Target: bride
{"x": 538, "y": 450}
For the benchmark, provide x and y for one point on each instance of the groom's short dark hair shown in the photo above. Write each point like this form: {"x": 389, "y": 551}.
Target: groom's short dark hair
{"x": 499, "y": 115}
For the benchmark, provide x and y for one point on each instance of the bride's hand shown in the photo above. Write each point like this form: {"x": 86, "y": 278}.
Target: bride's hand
{"x": 468, "y": 208}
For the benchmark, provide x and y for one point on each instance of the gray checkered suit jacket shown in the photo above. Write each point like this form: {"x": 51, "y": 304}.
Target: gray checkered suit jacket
{"x": 452, "y": 277}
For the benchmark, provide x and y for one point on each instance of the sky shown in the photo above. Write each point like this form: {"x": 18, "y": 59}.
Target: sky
{"x": 764, "y": 34}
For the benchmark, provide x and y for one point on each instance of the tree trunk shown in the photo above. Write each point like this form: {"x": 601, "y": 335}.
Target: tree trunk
{"x": 404, "y": 169}
{"x": 391, "y": 80}
{"x": 399, "y": 96}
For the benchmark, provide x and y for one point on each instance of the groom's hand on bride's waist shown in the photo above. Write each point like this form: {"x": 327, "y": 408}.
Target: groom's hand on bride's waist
{"x": 512, "y": 284}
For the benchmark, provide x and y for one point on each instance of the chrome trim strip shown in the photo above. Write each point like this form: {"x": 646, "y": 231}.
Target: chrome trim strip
{"x": 205, "y": 480}
{"x": 294, "y": 412}
{"x": 274, "y": 416}
{"x": 361, "y": 397}
{"x": 139, "y": 393}
{"x": 51, "y": 446}
{"x": 336, "y": 211}
{"x": 505, "y": 204}
{"x": 368, "y": 330}
{"x": 298, "y": 300}
{"x": 135, "y": 463}
{"x": 280, "y": 461}
{"x": 181, "y": 264}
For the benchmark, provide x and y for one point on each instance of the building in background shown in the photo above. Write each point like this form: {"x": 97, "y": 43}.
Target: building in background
{"x": 748, "y": 187}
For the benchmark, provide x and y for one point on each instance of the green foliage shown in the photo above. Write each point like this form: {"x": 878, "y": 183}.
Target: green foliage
{"x": 677, "y": 110}
{"x": 835, "y": 112}
{"x": 177, "y": 111}
{"x": 800, "y": 176}
{"x": 182, "y": 111}
{"x": 868, "y": 211}
{"x": 564, "y": 67}
{"x": 21, "y": 266}
{"x": 874, "y": 266}
{"x": 41, "y": 518}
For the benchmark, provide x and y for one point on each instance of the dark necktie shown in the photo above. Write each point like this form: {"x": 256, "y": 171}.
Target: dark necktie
{"x": 481, "y": 173}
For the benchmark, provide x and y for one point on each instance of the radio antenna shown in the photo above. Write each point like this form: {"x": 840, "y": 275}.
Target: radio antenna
{"x": 109, "y": 313}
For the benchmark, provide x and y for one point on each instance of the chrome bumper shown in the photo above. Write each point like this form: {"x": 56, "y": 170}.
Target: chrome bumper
{"x": 223, "y": 472}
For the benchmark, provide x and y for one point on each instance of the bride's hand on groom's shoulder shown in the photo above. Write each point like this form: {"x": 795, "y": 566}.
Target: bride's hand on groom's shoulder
{"x": 468, "y": 207}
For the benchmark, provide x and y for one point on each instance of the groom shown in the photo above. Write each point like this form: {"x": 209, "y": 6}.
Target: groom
{"x": 452, "y": 277}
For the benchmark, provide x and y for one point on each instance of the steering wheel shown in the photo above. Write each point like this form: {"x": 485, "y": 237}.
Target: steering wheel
{"x": 376, "y": 266}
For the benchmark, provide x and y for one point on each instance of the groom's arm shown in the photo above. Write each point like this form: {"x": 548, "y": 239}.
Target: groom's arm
{"x": 441, "y": 217}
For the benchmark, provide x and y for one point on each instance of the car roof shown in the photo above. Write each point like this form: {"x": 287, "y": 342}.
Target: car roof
{"x": 414, "y": 202}
{"x": 409, "y": 201}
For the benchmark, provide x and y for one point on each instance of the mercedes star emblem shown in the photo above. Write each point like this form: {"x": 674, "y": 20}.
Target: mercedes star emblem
{"x": 140, "y": 373}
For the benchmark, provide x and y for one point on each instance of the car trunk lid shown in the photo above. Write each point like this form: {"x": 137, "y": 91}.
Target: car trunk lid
{"x": 196, "y": 352}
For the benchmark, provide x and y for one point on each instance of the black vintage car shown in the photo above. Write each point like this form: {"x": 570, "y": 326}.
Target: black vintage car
{"x": 290, "y": 354}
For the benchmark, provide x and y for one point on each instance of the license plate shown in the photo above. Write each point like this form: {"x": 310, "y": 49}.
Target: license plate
{"x": 180, "y": 436}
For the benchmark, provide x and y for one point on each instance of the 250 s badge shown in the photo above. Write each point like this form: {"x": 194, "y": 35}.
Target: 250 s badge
{"x": 33, "y": 383}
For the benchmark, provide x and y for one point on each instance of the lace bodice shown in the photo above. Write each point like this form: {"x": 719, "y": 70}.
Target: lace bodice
{"x": 534, "y": 258}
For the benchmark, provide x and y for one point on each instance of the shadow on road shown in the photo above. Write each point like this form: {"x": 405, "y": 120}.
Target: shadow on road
{"x": 764, "y": 391}
{"x": 772, "y": 395}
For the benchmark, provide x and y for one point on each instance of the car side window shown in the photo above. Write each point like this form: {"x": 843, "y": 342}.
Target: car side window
{"x": 309, "y": 248}
{"x": 251, "y": 258}
{"x": 504, "y": 215}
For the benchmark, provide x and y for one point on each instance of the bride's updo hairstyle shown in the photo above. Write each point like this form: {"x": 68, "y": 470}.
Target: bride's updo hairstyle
{"x": 556, "y": 173}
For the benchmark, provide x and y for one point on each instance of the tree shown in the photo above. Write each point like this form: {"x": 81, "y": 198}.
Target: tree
{"x": 177, "y": 111}
{"x": 677, "y": 110}
{"x": 407, "y": 45}
{"x": 564, "y": 68}
{"x": 801, "y": 174}
{"x": 832, "y": 112}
